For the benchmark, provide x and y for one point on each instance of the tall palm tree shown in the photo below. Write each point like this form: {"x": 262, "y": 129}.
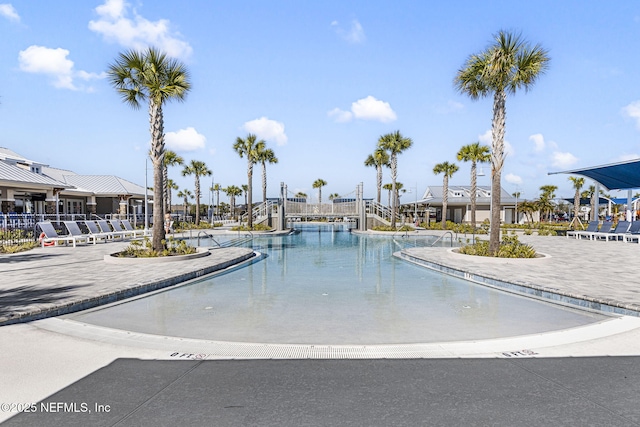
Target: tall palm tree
{"x": 379, "y": 158}
{"x": 334, "y": 196}
{"x": 217, "y": 188}
{"x": 151, "y": 76}
{"x": 474, "y": 153}
{"x": 198, "y": 169}
{"x": 388, "y": 186}
{"x": 170, "y": 187}
{"x": 319, "y": 183}
{"x": 301, "y": 195}
{"x": 170, "y": 159}
{"x": 394, "y": 143}
{"x": 448, "y": 169}
{"x": 232, "y": 192}
{"x": 245, "y": 190}
{"x": 265, "y": 155}
{"x": 578, "y": 182}
{"x": 507, "y": 65}
{"x": 185, "y": 195}
{"x": 545, "y": 201}
{"x": 248, "y": 147}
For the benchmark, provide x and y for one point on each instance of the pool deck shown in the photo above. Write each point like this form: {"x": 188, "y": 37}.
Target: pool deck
{"x": 51, "y": 359}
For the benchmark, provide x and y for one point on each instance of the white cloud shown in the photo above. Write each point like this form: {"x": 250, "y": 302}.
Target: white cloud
{"x": 137, "y": 32}
{"x": 185, "y": 140}
{"x": 625, "y": 157}
{"x": 340, "y": 116}
{"x": 267, "y": 129}
{"x": 9, "y": 12}
{"x": 538, "y": 142}
{"x": 633, "y": 111}
{"x": 54, "y": 63}
{"x": 368, "y": 108}
{"x": 563, "y": 160}
{"x": 353, "y": 35}
{"x": 513, "y": 179}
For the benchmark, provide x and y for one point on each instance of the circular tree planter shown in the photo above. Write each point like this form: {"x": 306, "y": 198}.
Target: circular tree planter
{"x": 538, "y": 256}
{"x": 115, "y": 259}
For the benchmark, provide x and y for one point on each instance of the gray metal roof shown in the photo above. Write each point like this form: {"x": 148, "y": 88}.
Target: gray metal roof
{"x": 14, "y": 174}
{"x": 460, "y": 194}
{"x": 105, "y": 184}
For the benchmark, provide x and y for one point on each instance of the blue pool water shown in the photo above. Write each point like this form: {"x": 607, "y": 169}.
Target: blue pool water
{"x": 328, "y": 286}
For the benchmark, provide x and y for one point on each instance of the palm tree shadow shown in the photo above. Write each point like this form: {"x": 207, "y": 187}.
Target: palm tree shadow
{"x": 11, "y": 299}
{"x": 26, "y": 257}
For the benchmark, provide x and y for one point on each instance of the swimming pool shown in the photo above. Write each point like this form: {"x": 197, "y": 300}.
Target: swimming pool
{"x": 325, "y": 285}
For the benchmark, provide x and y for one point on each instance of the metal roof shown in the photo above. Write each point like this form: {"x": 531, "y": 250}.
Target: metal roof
{"x": 11, "y": 173}
{"x": 616, "y": 176}
{"x": 434, "y": 194}
{"x": 104, "y": 184}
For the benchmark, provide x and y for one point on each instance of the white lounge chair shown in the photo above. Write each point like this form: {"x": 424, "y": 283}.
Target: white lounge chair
{"x": 117, "y": 226}
{"x": 128, "y": 227}
{"x": 75, "y": 231}
{"x": 593, "y": 226}
{"x": 94, "y": 230}
{"x": 106, "y": 228}
{"x": 50, "y": 236}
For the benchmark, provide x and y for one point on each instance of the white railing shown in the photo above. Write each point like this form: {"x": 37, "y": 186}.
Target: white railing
{"x": 311, "y": 209}
{"x": 384, "y": 212}
{"x": 259, "y": 212}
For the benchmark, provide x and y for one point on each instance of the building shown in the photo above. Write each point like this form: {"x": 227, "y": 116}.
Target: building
{"x": 31, "y": 187}
{"x": 459, "y": 204}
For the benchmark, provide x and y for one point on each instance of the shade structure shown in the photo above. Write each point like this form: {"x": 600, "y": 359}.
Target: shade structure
{"x": 616, "y": 176}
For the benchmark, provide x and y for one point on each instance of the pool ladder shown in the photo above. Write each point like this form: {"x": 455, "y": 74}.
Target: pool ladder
{"x": 233, "y": 242}
{"x": 441, "y": 237}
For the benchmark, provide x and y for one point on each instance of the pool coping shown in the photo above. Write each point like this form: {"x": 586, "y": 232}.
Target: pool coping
{"x": 606, "y": 306}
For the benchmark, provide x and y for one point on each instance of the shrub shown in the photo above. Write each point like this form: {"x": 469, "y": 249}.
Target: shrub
{"x": 144, "y": 249}
{"x": 20, "y": 247}
{"x": 390, "y": 228}
{"x": 256, "y": 227}
{"x": 510, "y": 247}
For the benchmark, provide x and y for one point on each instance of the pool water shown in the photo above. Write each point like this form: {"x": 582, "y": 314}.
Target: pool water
{"x": 326, "y": 285}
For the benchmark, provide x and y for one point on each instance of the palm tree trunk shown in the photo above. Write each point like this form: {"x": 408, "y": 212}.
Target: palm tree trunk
{"x": 197, "y": 200}
{"x": 474, "y": 189}
{"x": 497, "y": 161}
{"x": 249, "y": 191}
{"x": 445, "y": 200}
{"x": 394, "y": 200}
{"x": 157, "y": 158}
{"x": 264, "y": 182}
{"x": 165, "y": 187}
{"x": 379, "y": 180}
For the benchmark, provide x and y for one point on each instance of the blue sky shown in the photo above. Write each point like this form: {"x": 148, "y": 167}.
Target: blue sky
{"x": 320, "y": 82}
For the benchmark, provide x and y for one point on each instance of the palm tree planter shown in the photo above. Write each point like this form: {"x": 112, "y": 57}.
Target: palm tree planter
{"x": 504, "y": 67}
{"x": 151, "y": 76}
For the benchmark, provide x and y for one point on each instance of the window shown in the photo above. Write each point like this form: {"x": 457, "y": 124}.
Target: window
{"x": 457, "y": 193}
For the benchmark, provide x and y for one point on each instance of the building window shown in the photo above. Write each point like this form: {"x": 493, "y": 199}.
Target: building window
{"x": 457, "y": 194}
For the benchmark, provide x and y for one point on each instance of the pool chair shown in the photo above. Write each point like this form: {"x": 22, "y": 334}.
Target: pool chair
{"x": 49, "y": 236}
{"x": 128, "y": 227}
{"x": 94, "y": 230}
{"x": 616, "y": 234}
{"x": 593, "y": 226}
{"x": 604, "y": 229}
{"x": 75, "y": 231}
{"x": 106, "y": 228}
{"x": 117, "y": 225}
{"x": 633, "y": 234}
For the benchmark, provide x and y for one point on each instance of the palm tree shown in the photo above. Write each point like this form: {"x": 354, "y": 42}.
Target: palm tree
{"x": 379, "y": 158}
{"x": 170, "y": 159}
{"x": 248, "y": 147}
{"x": 578, "y": 182}
{"x": 151, "y": 76}
{"x": 232, "y": 192}
{"x": 474, "y": 153}
{"x": 394, "y": 143}
{"x": 245, "y": 190}
{"x": 319, "y": 183}
{"x": 545, "y": 201}
{"x": 389, "y": 187}
{"x": 170, "y": 187}
{"x": 334, "y": 196}
{"x": 217, "y": 188}
{"x": 186, "y": 195}
{"x": 448, "y": 169}
{"x": 265, "y": 155}
{"x": 528, "y": 208}
{"x": 509, "y": 64}
{"x": 198, "y": 169}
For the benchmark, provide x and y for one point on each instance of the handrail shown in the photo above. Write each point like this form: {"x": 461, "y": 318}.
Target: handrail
{"x": 209, "y": 236}
{"x": 440, "y": 238}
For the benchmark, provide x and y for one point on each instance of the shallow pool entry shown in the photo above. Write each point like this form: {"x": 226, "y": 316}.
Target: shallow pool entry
{"x": 325, "y": 285}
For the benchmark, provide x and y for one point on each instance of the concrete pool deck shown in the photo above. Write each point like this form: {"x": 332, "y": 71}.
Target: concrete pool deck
{"x": 41, "y": 361}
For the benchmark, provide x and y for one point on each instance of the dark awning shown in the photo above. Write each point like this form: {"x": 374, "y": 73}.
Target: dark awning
{"x": 616, "y": 176}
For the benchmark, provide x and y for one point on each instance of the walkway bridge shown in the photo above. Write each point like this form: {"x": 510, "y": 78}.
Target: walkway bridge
{"x": 344, "y": 208}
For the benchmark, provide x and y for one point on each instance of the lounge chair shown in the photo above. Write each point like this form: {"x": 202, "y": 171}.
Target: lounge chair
{"x": 128, "y": 227}
{"x": 605, "y": 228}
{"x": 94, "y": 230}
{"x": 106, "y": 228}
{"x": 633, "y": 234}
{"x": 117, "y": 226}
{"x": 616, "y": 234}
{"x": 593, "y": 226}
{"x": 49, "y": 236}
{"x": 75, "y": 231}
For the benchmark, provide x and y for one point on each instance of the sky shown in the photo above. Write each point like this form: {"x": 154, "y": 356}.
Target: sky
{"x": 320, "y": 82}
